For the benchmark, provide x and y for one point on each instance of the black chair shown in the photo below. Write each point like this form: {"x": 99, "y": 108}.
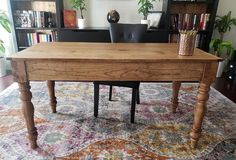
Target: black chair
{"x": 130, "y": 33}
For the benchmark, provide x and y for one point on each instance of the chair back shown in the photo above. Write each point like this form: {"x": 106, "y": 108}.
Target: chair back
{"x": 130, "y": 33}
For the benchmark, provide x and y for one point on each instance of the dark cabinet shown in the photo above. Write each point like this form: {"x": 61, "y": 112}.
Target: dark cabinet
{"x": 84, "y": 35}
{"x": 156, "y": 36}
{"x": 103, "y": 35}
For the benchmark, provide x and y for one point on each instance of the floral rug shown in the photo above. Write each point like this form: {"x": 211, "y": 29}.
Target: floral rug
{"x": 157, "y": 134}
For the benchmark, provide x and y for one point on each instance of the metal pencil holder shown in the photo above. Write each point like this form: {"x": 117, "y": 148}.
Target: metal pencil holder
{"x": 187, "y": 43}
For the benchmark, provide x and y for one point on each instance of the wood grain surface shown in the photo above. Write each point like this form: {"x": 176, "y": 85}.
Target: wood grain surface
{"x": 122, "y": 52}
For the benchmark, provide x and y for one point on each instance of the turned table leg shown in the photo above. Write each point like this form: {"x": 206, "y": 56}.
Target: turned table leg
{"x": 175, "y": 91}
{"x": 199, "y": 112}
{"x": 53, "y": 100}
{"x": 28, "y": 112}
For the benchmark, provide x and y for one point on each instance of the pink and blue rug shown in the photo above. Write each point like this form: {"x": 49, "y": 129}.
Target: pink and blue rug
{"x": 73, "y": 132}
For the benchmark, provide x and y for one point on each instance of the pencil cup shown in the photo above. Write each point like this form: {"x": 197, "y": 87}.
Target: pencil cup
{"x": 186, "y": 44}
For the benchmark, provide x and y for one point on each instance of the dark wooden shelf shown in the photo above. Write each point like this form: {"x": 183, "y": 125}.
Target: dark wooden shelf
{"x": 29, "y": 28}
{"x": 199, "y": 32}
{"x": 188, "y": 2}
{"x": 226, "y": 87}
{"x": 88, "y": 28}
{"x": 156, "y": 30}
{"x": 23, "y": 47}
{"x": 33, "y": 0}
{"x": 103, "y": 29}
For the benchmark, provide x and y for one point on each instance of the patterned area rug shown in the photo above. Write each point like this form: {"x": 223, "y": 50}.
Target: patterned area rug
{"x": 73, "y": 132}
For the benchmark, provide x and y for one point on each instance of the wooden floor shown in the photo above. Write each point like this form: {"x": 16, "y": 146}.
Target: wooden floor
{"x": 224, "y": 86}
{"x": 5, "y": 82}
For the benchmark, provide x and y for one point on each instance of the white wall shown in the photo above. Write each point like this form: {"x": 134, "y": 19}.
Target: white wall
{"x": 9, "y": 39}
{"x": 223, "y": 8}
{"x": 97, "y": 11}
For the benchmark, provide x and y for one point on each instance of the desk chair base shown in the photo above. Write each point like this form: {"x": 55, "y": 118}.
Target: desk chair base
{"x": 135, "y": 97}
{"x": 110, "y": 95}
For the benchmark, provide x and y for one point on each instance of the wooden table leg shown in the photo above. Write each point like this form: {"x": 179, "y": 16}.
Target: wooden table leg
{"x": 175, "y": 91}
{"x": 199, "y": 113}
{"x": 28, "y": 112}
{"x": 53, "y": 100}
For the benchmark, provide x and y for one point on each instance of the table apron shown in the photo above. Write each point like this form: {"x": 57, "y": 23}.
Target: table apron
{"x": 96, "y": 71}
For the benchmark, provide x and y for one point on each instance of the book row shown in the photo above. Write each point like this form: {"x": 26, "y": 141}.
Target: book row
{"x": 34, "y": 19}
{"x": 29, "y": 39}
{"x": 189, "y": 21}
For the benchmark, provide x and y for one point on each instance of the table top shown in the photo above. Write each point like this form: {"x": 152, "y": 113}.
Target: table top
{"x": 121, "y": 52}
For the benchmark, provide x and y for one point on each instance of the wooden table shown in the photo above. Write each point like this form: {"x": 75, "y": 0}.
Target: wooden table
{"x": 106, "y": 61}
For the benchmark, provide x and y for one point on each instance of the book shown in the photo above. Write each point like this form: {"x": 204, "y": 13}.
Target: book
{"x": 69, "y": 18}
{"x": 206, "y": 20}
{"x": 180, "y": 21}
{"x": 25, "y": 19}
{"x": 18, "y": 18}
{"x": 202, "y": 21}
{"x": 30, "y": 22}
{"x": 173, "y": 38}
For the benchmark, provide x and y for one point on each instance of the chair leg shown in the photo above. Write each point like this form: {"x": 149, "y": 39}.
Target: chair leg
{"x": 53, "y": 99}
{"x": 175, "y": 91}
{"x": 110, "y": 93}
{"x": 96, "y": 99}
{"x": 138, "y": 96}
{"x": 133, "y": 103}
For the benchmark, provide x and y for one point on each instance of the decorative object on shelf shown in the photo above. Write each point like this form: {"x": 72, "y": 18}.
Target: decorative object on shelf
{"x": 80, "y": 6}
{"x": 144, "y": 7}
{"x": 113, "y": 16}
{"x": 51, "y": 22}
{"x": 187, "y": 42}
{"x": 69, "y": 18}
{"x": 4, "y": 22}
{"x": 82, "y": 23}
{"x": 154, "y": 17}
{"x": 219, "y": 46}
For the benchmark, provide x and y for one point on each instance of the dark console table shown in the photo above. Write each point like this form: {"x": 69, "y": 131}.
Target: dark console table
{"x": 103, "y": 35}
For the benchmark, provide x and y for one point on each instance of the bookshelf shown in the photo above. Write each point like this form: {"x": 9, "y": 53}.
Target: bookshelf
{"x": 35, "y": 21}
{"x": 167, "y": 31}
{"x": 191, "y": 14}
